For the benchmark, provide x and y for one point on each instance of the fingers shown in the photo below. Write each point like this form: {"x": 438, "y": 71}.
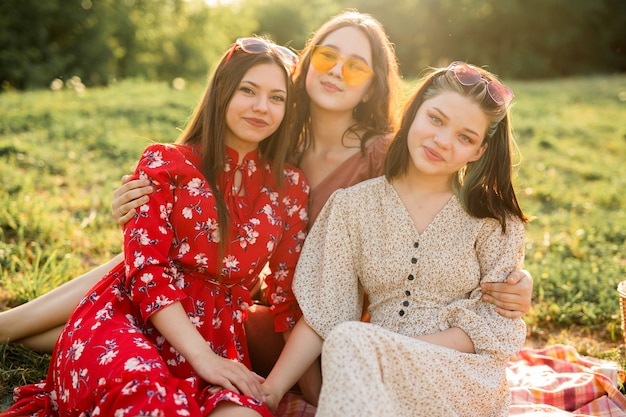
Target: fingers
{"x": 511, "y": 314}
{"x": 512, "y": 298}
{"x": 128, "y": 197}
{"x": 240, "y": 379}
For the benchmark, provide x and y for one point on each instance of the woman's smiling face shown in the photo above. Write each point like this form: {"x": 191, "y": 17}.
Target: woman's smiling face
{"x": 328, "y": 90}
{"x": 447, "y": 132}
{"x": 257, "y": 107}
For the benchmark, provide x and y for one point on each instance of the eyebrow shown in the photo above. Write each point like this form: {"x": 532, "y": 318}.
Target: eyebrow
{"x": 257, "y": 86}
{"x": 448, "y": 118}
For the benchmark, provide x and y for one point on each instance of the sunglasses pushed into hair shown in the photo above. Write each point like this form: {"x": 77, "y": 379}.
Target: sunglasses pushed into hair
{"x": 468, "y": 76}
{"x": 260, "y": 46}
{"x": 354, "y": 71}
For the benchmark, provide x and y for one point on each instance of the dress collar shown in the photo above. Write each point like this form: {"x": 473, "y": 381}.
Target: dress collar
{"x": 232, "y": 157}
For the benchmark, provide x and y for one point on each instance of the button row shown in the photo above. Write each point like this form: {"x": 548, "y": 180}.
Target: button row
{"x": 411, "y": 277}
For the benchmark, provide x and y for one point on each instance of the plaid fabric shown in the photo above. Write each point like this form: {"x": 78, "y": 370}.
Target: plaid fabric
{"x": 558, "y": 381}
{"x": 554, "y": 382}
{"x": 293, "y": 405}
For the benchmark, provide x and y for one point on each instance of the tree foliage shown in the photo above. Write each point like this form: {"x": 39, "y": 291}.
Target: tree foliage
{"x": 105, "y": 40}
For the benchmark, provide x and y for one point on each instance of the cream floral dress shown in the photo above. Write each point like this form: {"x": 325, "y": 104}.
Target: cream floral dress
{"x": 418, "y": 283}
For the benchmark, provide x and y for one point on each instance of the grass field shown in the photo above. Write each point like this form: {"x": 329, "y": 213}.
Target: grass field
{"x": 62, "y": 154}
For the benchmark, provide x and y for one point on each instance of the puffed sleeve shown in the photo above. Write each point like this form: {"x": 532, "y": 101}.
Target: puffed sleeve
{"x": 148, "y": 236}
{"x": 284, "y": 306}
{"x": 326, "y": 283}
{"x": 498, "y": 255}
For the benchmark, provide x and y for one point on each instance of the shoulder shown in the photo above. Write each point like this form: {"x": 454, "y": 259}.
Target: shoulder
{"x": 377, "y": 147}
{"x": 168, "y": 155}
{"x": 171, "y": 150}
{"x": 514, "y": 227}
{"x": 364, "y": 192}
{"x": 294, "y": 177}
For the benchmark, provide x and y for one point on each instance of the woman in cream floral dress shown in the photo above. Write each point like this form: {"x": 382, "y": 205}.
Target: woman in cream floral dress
{"x": 419, "y": 241}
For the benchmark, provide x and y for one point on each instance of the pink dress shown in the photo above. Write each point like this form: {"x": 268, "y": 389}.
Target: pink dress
{"x": 110, "y": 360}
{"x": 359, "y": 167}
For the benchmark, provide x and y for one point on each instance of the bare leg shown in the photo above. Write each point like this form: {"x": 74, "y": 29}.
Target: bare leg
{"x": 234, "y": 410}
{"x": 38, "y": 323}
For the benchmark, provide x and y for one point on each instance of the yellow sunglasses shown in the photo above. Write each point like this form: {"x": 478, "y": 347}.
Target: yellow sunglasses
{"x": 354, "y": 71}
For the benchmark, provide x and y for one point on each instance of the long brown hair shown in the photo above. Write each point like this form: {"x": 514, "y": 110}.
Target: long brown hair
{"x": 484, "y": 186}
{"x": 207, "y": 127}
{"x": 372, "y": 118}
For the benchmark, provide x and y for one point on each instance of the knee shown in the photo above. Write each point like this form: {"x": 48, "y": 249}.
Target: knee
{"x": 150, "y": 397}
{"x": 344, "y": 336}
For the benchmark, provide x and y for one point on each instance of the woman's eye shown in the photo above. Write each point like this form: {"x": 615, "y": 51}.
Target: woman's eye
{"x": 279, "y": 99}
{"x": 357, "y": 66}
{"x": 435, "y": 120}
{"x": 465, "y": 138}
{"x": 246, "y": 90}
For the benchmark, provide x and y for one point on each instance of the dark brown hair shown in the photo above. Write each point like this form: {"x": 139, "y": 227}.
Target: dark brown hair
{"x": 207, "y": 127}
{"x": 484, "y": 186}
{"x": 372, "y": 118}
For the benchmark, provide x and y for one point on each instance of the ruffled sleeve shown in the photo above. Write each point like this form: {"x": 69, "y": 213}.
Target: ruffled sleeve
{"x": 284, "y": 306}
{"x": 498, "y": 255}
{"x": 148, "y": 236}
{"x": 326, "y": 283}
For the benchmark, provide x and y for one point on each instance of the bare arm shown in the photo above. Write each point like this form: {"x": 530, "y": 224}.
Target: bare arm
{"x": 128, "y": 197}
{"x": 174, "y": 325}
{"x": 310, "y": 383}
{"x": 512, "y": 298}
{"x": 453, "y": 338}
{"x": 303, "y": 347}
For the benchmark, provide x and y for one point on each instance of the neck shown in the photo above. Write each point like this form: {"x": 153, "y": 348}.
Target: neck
{"x": 328, "y": 128}
{"x": 417, "y": 182}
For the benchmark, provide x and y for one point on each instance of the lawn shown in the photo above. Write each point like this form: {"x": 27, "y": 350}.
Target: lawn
{"x": 62, "y": 154}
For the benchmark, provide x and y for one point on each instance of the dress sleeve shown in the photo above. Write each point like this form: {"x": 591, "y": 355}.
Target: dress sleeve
{"x": 326, "y": 283}
{"x": 148, "y": 236}
{"x": 284, "y": 306}
{"x": 498, "y": 255}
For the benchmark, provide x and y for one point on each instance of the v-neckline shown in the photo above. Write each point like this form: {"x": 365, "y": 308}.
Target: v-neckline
{"x": 407, "y": 214}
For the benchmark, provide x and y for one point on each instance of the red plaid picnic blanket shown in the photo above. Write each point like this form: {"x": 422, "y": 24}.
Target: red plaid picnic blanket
{"x": 555, "y": 381}
{"x": 558, "y": 381}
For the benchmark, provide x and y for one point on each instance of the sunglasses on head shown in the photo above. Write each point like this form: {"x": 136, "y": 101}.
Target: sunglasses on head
{"x": 354, "y": 71}
{"x": 468, "y": 76}
{"x": 259, "y": 46}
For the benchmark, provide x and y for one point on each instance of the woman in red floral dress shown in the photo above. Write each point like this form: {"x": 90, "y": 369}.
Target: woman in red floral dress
{"x": 162, "y": 334}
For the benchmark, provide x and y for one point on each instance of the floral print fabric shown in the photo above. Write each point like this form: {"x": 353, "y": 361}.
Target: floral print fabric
{"x": 110, "y": 360}
{"x": 418, "y": 283}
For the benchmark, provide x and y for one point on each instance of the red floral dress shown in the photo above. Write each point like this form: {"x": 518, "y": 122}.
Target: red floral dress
{"x": 110, "y": 360}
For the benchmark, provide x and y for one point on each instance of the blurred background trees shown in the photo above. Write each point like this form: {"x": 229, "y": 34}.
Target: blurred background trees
{"x": 105, "y": 40}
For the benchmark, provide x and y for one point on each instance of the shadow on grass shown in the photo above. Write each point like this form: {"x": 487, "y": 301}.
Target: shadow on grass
{"x": 19, "y": 366}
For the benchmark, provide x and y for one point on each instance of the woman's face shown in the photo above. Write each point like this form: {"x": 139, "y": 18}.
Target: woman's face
{"x": 447, "y": 133}
{"x": 328, "y": 90}
{"x": 257, "y": 107}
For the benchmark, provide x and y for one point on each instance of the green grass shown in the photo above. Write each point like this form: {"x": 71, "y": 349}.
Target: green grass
{"x": 62, "y": 154}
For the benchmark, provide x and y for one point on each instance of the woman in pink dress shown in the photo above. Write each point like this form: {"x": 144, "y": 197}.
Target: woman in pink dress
{"x": 162, "y": 333}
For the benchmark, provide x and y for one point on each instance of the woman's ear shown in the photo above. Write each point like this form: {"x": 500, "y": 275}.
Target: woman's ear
{"x": 479, "y": 152}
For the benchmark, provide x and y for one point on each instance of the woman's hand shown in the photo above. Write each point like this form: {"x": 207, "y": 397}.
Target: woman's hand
{"x": 512, "y": 298}
{"x": 172, "y": 322}
{"x": 272, "y": 398}
{"x": 228, "y": 374}
{"x": 128, "y": 197}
